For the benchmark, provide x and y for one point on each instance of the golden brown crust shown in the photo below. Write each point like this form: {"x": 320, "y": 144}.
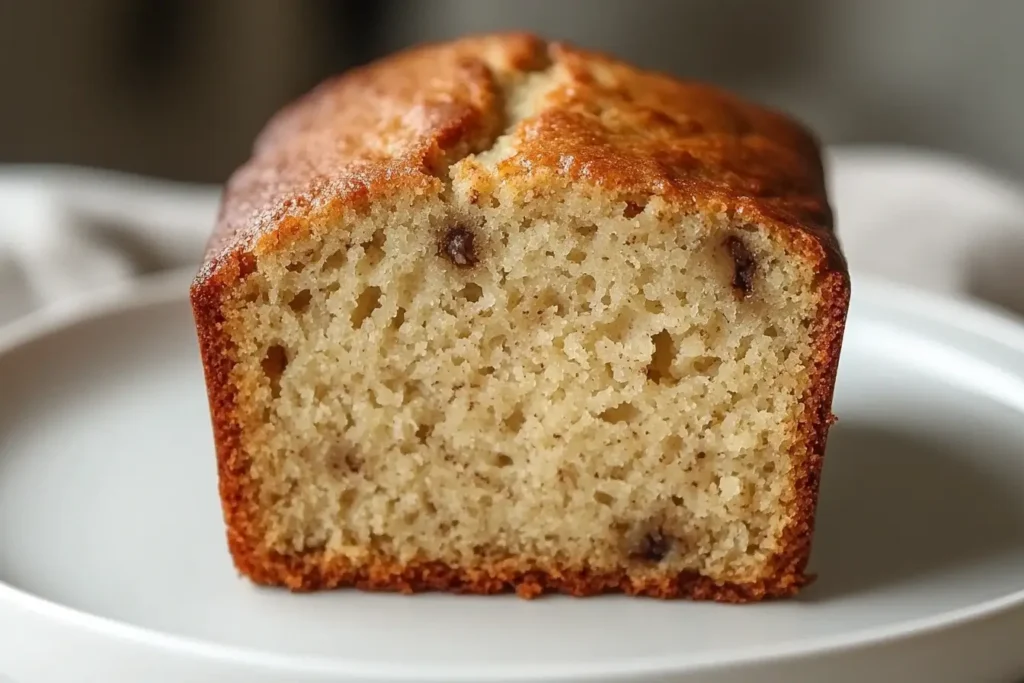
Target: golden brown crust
{"x": 399, "y": 124}
{"x": 308, "y": 573}
{"x": 795, "y": 544}
{"x": 396, "y": 122}
{"x": 237, "y": 489}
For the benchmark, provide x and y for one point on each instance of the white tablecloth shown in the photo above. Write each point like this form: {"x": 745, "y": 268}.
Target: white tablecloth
{"x": 918, "y": 218}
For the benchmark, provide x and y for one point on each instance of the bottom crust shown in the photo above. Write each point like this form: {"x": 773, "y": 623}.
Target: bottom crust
{"x": 309, "y": 572}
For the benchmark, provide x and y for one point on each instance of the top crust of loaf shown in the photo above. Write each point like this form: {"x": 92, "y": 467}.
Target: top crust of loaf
{"x": 402, "y": 121}
{"x": 400, "y": 124}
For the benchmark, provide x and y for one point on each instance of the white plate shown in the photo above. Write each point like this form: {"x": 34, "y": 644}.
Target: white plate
{"x": 113, "y": 564}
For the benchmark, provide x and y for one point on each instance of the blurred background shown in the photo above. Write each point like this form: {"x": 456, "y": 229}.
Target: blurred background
{"x": 178, "y": 88}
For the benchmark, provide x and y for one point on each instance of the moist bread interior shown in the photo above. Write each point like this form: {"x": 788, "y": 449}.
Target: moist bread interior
{"x": 570, "y": 380}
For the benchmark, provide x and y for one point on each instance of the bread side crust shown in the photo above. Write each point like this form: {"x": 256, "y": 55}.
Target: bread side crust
{"x": 697, "y": 147}
{"x": 790, "y": 563}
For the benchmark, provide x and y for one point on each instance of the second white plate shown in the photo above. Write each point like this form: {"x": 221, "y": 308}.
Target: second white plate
{"x": 113, "y": 564}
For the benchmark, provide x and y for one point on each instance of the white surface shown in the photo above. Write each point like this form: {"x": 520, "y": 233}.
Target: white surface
{"x": 113, "y": 563}
{"x": 67, "y": 231}
{"x": 931, "y": 221}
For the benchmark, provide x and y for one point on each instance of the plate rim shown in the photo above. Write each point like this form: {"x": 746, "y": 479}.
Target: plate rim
{"x": 965, "y": 314}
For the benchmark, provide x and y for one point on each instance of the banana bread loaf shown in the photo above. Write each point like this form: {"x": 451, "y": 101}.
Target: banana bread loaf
{"x": 503, "y": 314}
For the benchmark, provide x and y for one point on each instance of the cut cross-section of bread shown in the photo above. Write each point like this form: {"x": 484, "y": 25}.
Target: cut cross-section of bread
{"x": 502, "y": 314}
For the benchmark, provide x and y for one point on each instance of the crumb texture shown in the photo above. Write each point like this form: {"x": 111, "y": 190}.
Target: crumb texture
{"x": 560, "y": 383}
{"x": 569, "y": 326}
